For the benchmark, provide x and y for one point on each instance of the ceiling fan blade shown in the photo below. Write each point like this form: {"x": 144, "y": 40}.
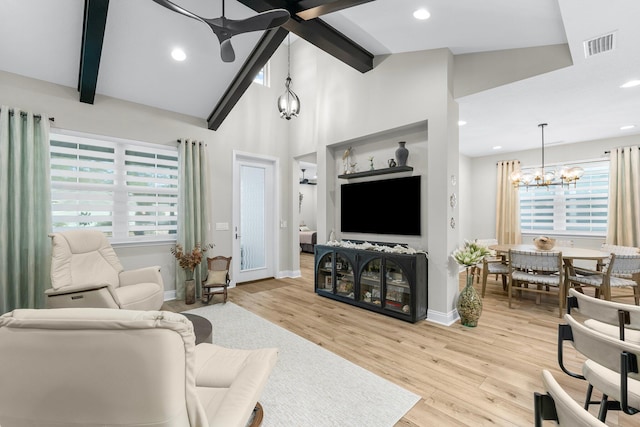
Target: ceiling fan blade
{"x": 226, "y": 51}
{"x": 174, "y": 7}
{"x": 260, "y": 22}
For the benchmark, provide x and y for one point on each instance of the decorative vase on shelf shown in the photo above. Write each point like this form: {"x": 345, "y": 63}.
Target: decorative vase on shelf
{"x": 401, "y": 154}
{"x": 332, "y": 236}
{"x": 189, "y": 291}
{"x": 469, "y": 303}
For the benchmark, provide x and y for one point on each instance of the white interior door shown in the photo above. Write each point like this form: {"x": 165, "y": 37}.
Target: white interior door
{"x": 254, "y": 216}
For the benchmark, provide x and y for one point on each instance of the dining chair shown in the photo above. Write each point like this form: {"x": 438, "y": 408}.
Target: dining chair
{"x": 611, "y": 366}
{"x": 620, "y": 271}
{"x": 559, "y": 406}
{"x": 542, "y": 269}
{"x": 494, "y": 264}
{"x": 616, "y": 249}
{"x": 616, "y": 319}
{"x": 619, "y": 250}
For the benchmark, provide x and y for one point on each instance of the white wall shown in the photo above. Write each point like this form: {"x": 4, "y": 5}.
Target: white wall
{"x": 465, "y": 210}
{"x": 342, "y": 107}
{"x": 308, "y": 213}
{"x": 482, "y": 196}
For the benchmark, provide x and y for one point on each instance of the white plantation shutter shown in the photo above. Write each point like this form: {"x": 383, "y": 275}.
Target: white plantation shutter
{"x": 579, "y": 210}
{"x": 127, "y": 190}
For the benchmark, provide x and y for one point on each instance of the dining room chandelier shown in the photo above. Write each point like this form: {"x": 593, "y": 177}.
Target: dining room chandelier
{"x": 542, "y": 177}
{"x": 288, "y": 102}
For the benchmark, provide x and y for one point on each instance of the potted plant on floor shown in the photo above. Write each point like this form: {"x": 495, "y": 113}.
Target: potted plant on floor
{"x": 469, "y": 303}
{"x": 189, "y": 261}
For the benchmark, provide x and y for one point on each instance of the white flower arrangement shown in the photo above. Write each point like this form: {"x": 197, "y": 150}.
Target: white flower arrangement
{"x": 397, "y": 249}
{"x": 470, "y": 254}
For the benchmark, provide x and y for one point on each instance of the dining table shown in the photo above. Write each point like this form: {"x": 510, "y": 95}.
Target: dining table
{"x": 569, "y": 255}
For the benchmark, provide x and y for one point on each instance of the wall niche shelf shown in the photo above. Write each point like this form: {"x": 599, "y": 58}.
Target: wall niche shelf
{"x": 374, "y": 172}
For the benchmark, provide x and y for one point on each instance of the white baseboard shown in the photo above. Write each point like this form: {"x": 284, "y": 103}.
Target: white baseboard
{"x": 445, "y": 319}
{"x": 169, "y": 295}
{"x": 288, "y": 273}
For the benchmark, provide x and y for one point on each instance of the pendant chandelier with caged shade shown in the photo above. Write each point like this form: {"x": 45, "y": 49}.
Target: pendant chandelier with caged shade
{"x": 288, "y": 102}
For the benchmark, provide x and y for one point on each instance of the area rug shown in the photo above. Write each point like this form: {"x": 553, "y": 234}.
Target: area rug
{"x": 309, "y": 386}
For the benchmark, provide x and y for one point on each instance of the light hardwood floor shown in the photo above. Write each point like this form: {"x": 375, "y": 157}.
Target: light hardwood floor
{"x": 465, "y": 376}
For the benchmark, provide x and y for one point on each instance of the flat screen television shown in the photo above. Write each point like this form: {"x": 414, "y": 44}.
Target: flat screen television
{"x": 388, "y": 206}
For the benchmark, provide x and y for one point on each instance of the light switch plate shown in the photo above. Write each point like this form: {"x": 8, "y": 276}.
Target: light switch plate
{"x": 222, "y": 225}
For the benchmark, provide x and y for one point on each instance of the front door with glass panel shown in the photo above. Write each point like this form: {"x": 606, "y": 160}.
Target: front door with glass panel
{"x": 254, "y": 215}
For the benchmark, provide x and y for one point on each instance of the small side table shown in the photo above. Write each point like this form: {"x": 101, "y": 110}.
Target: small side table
{"x": 201, "y": 327}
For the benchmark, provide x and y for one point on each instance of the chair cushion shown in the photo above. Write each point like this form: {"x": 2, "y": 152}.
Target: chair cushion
{"x": 608, "y": 382}
{"x": 83, "y": 257}
{"x": 544, "y": 279}
{"x": 497, "y": 268}
{"x": 216, "y": 277}
{"x": 242, "y": 374}
{"x": 596, "y": 280}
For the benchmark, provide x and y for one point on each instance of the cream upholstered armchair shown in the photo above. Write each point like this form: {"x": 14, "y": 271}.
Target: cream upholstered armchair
{"x": 86, "y": 272}
{"x": 101, "y": 367}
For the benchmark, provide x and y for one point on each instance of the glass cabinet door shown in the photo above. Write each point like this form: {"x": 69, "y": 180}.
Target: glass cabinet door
{"x": 397, "y": 290}
{"x": 345, "y": 282}
{"x": 325, "y": 270}
{"x": 370, "y": 282}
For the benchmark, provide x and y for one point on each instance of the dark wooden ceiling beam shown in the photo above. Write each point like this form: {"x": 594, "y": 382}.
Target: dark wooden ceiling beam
{"x": 266, "y": 47}
{"x": 336, "y": 44}
{"x": 310, "y": 9}
{"x": 94, "y": 25}
{"x": 318, "y": 32}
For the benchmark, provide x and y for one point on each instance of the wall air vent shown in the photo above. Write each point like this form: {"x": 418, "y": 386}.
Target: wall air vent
{"x": 600, "y": 44}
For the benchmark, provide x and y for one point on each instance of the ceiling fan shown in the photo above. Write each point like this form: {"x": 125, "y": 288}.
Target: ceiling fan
{"x": 305, "y": 180}
{"x": 225, "y": 28}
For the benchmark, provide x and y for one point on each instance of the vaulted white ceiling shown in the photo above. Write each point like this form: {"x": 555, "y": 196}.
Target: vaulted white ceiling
{"x": 42, "y": 39}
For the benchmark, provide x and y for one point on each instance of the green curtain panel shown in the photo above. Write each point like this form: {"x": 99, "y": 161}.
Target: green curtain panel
{"x": 193, "y": 202}
{"x": 624, "y": 197}
{"x": 25, "y": 209}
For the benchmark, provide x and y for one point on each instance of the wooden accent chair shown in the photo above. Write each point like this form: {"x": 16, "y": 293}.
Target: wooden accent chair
{"x": 217, "y": 280}
{"x": 542, "y": 269}
{"x": 620, "y": 271}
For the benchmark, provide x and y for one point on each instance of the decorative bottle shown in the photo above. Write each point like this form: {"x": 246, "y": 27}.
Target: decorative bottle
{"x": 401, "y": 154}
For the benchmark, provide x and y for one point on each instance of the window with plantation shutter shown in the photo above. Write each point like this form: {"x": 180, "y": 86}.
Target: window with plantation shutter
{"x": 126, "y": 189}
{"x": 575, "y": 210}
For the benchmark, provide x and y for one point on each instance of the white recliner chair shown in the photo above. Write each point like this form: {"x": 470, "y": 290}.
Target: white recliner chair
{"x": 86, "y": 272}
{"x": 95, "y": 367}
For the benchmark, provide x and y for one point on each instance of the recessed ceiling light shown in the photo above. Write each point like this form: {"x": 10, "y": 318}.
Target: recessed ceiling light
{"x": 497, "y": 147}
{"x": 627, "y": 127}
{"x": 178, "y": 54}
{"x": 421, "y": 14}
{"x": 631, "y": 83}
{"x": 461, "y": 123}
